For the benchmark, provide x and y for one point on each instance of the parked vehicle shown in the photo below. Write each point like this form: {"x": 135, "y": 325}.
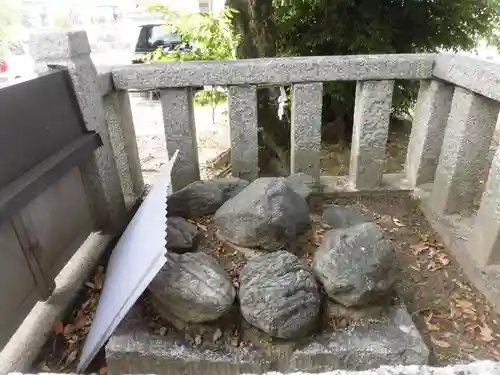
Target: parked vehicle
{"x": 154, "y": 36}
{"x": 15, "y": 62}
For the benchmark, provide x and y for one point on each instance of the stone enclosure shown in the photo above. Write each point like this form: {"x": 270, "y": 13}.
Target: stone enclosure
{"x": 279, "y": 300}
{"x": 280, "y": 311}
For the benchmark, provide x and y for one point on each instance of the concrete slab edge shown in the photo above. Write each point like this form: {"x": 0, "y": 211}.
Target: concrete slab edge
{"x": 476, "y": 368}
{"x": 26, "y": 343}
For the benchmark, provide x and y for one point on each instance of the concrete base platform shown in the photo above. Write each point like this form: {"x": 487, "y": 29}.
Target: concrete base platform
{"x": 392, "y": 341}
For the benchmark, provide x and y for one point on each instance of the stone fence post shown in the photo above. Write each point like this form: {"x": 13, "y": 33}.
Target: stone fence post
{"x": 71, "y": 49}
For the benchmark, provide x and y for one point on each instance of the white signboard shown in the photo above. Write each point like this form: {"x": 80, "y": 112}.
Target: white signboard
{"x": 137, "y": 258}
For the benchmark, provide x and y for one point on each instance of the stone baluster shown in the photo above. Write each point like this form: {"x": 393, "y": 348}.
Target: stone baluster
{"x": 307, "y": 103}
{"x": 371, "y": 127}
{"x": 180, "y": 133}
{"x": 118, "y": 114}
{"x": 484, "y": 243}
{"x": 469, "y": 130}
{"x": 71, "y": 50}
{"x": 427, "y": 132}
{"x": 244, "y": 128}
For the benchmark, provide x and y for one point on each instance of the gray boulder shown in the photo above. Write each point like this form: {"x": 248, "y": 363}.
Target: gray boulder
{"x": 267, "y": 215}
{"x": 279, "y": 295}
{"x": 203, "y": 197}
{"x": 343, "y": 217}
{"x": 181, "y": 235}
{"x": 303, "y": 184}
{"x": 355, "y": 265}
{"x": 192, "y": 287}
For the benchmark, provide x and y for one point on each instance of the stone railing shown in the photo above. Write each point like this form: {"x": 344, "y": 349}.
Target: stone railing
{"x": 448, "y": 152}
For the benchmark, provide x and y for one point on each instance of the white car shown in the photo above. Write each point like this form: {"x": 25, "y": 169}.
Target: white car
{"x": 15, "y": 63}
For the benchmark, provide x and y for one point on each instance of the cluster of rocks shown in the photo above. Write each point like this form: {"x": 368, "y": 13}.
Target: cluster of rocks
{"x": 277, "y": 293}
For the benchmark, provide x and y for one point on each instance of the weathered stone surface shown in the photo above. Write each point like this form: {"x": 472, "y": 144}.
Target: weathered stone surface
{"x": 393, "y": 341}
{"x": 484, "y": 243}
{"x": 193, "y": 287}
{"x": 203, "y": 197}
{"x": 302, "y": 183}
{"x": 267, "y": 215}
{"x": 335, "y": 310}
{"x": 343, "y": 217}
{"x": 244, "y": 131}
{"x": 427, "y": 131}
{"x": 307, "y": 103}
{"x": 464, "y": 153}
{"x": 355, "y": 264}
{"x": 279, "y": 295}
{"x": 181, "y": 235}
{"x": 133, "y": 350}
{"x": 71, "y": 49}
{"x": 279, "y": 71}
{"x": 370, "y": 130}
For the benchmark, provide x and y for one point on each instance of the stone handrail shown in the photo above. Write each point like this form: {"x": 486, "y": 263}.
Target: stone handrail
{"x": 453, "y": 125}
{"x": 273, "y": 71}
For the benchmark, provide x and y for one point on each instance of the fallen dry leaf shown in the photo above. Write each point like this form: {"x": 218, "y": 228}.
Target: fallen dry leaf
{"x": 440, "y": 343}
{"x": 419, "y": 248}
{"x": 464, "y": 304}
{"x": 58, "y": 327}
{"x": 431, "y": 327}
{"x": 71, "y": 357}
{"x": 68, "y": 329}
{"x": 443, "y": 259}
{"x": 486, "y": 333}
{"x": 315, "y": 239}
{"x": 495, "y": 353}
{"x": 398, "y": 222}
{"x": 103, "y": 370}
{"x": 416, "y": 268}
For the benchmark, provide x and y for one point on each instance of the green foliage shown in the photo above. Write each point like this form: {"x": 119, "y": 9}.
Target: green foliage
{"x": 8, "y": 19}
{"x": 211, "y": 38}
{"x": 346, "y": 27}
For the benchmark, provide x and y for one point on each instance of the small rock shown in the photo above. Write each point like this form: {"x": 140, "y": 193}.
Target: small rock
{"x": 267, "y": 215}
{"x": 279, "y": 295}
{"x": 234, "y": 341}
{"x": 198, "y": 340}
{"x": 303, "y": 184}
{"x": 203, "y": 197}
{"x": 163, "y": 331}
{"x": 217, "y": 335}
{"x": 368, "y": 313}
{"x": 181, "y": 235}
{"x": 343, "y": 217}
{"x": 355, "y": 265}
{"x": 192, "y": 287}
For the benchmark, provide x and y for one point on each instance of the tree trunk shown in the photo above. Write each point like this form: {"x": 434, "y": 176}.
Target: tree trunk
{"x": 254, "y": 22}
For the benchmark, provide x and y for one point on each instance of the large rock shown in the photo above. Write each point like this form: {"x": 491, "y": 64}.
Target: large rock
{"x": 355, "y": 265}
{"x": 279, "y": 295}
{"x": 192, "y": 287}
{"x": 181, "y": 235}
{"x": 343, "y": 217}
{"x": 203, "y": 197}
{"x": 303, "y": 184}
{"x": 267, "y": 215}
